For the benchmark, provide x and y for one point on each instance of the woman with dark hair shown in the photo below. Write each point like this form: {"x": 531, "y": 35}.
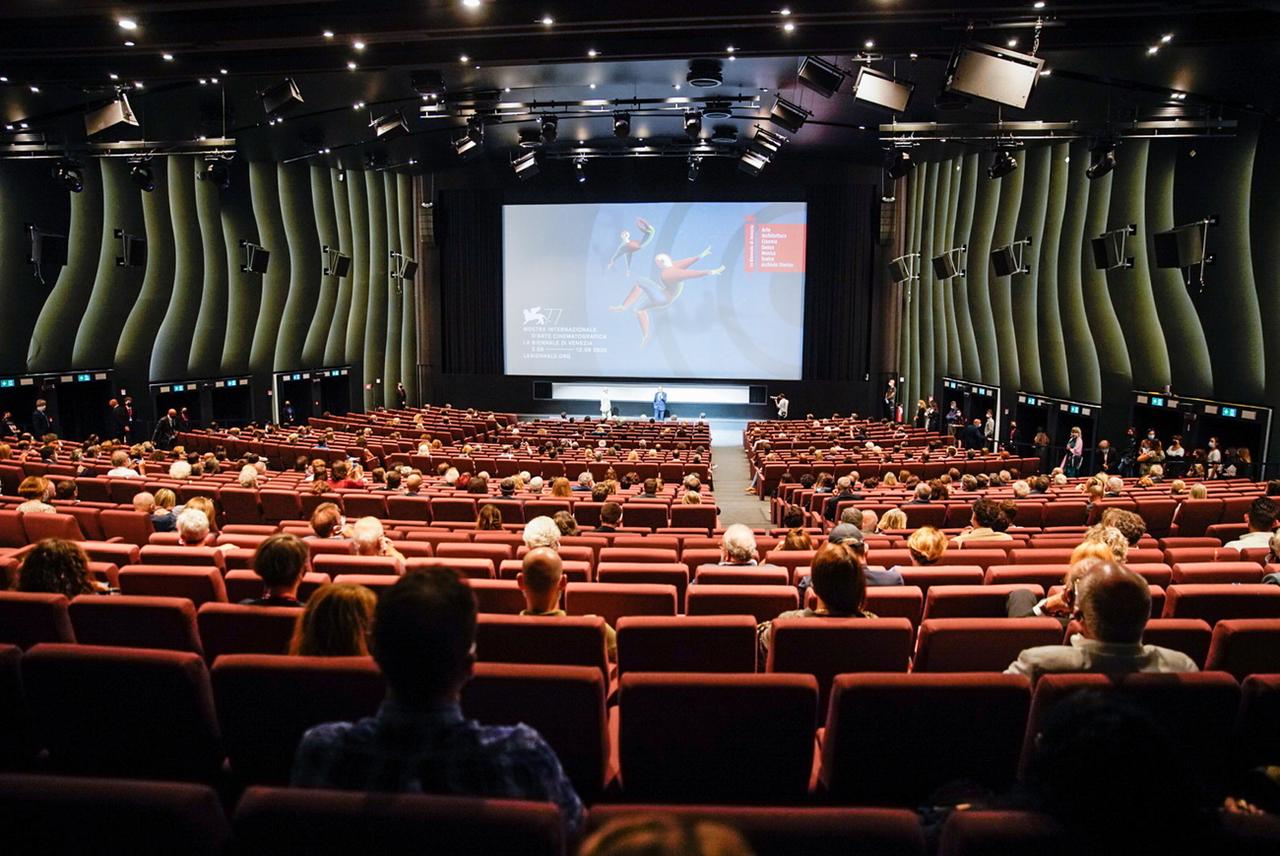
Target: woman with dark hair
{"x": 281, "y": 561}
{"x": 489, "y": 519}
{"x": 796, "y": 539}
{"x": 55, "y": 566}
{"x": 336, "y": 623}
{"x": 839, "y": 584}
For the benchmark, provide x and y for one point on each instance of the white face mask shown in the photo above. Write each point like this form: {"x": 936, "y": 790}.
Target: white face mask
{"x": 40, "y": 408}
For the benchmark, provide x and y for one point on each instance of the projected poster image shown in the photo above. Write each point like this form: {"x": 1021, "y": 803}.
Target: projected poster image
{"x": 697, "y": 290}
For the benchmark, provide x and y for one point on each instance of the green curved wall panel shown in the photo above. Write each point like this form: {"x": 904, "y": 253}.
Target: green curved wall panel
{"x": 976, "y": 283}
{"x": 409, "y": 314}
{"x": 298, "y": 211}
{"x": 1083, "y": 373}
{"x": 173, "y": 342}
{"x": 25, "y": 197}
{"x": 51, "y": 347}
{"x": 357, "y": 198}
{"x": 1265, "y": 241}
{"x": 244, "y": 291}
{"x": 327, "y": 230}
{"x": 211, "y": 322}
{"x": 970, "y": 364}
{"x": 1024, "y": 289}
{"x": 929, "y": 291}
{"x": 115, "y": 288}
{"x": 375, "y": 327}
{"x": 1001, "y": 290}
{"x": 942, "y": 290}
{"x": 335, "y": 351}
{"x": 137, "y": 341}
{"x": 1053, "y": 350}
{"x": 264, "y": 182}
{"x": 395, "y": 294}
{"x": 1113, "y": 358}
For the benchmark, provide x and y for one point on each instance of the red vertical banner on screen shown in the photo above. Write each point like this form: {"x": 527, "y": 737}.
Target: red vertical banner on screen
{"x": 774, "y": 247}
{"x": 749, "y": 246}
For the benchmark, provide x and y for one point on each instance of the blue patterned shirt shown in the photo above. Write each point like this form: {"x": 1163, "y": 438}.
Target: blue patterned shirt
{"x": 435, "y": 751}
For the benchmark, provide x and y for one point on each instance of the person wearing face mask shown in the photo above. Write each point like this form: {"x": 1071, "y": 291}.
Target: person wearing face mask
{"x": 41, "y": 421}
{"x": 1214, "y": 459}
{"x": 1129, "y": 455}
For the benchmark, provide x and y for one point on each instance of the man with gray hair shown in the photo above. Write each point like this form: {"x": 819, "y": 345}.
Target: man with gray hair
{"x": 1021, "y": 490}
{"x": 193, "y": 528}
{"x": 869, "y": 522}
{"x": 120, "y": 468}
{"x": 586, "y": 481}
{"x": 1113, "y": 605}
{"x": 370, "y": 539}
{"x": 852, "y": 516}
{"x": 1115, "y": 486}
{"x": 738, "y": 546}
{"x": 542, "y": 531}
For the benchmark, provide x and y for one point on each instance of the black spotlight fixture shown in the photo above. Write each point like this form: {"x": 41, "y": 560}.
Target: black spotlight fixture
{"x": 140, "y": 174}
{"x": 69, "y": 174}
{"x": 622, "y": 125}
{"x": 1002, "y": 163}
{"x": 1102, "y": 159}
{"x": 549, "y": 128}
{"x": 281, "y": 97}
{"x": 580, "y": 170}
{"x": 526, "y": 166}
{"x": 470, "y": 141}
{"x": 788, "y": 115}
{"x": 695, "y": 163}
{"x": 820, "y": 76}
{"x": 216, "y": 171}
{"x": 900, "y": 163}
{"x": 693, "y": 123}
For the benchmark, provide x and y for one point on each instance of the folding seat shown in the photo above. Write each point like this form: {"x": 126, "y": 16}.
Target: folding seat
{"x": 88, "y": 518}
{"x": 694, "y": 516}
{"x": 28, "y": 618}
{"x": 309, "y": 502}
{"x": 92, "y": 489}
{"x": 357, "y": 504}
{"x": 890, "y": 558}
{"x": 569, "y": 553}
{"x": 198, "y": 585}
{"x": 656, "y": 542}
{"x": 468, "y": 567}
{"x": 1258, "y": 737}
{"x": 925, "y": 514}
{"x": 133, "y": 527}
{"x": 1144, "y": 555}
{"x": 123, "y": 490}
{"x": 1217, "y": 572}
{"x": 1061, "y": 513}
{"x": 574, "y": 571}
{"x": 409, "y": 508}
{"x": 587, "y": 513}
{"x": 514, "y": 539}
{"x": 295, "y": 822}
{"x": 763, "y": 602}
{"x": 980, "y": 644}
{"x": 245, "y": 584}
{"x": 239, "y": 505}
{"x": 789, "y": 559}
{"x": 748, "y": 738}
{"x": 564, "y": 704}
{"x": 942, "y": 575}
{"x": 280, "y": 505}
{"x": 436, "y": 537}
{"x": 637, "y": 554}
{"x": 945, "y": 727}
{"x": 1044, "y": 576}
{"x": 1257, "y": 555}
{"x": 570, "y": 641}
{"x": 1245, "y": 646}
{"x": 710, "y": 643}
{"x": 338, "y": 564}
{"x": 229, "y": 628}
{"x": 265, "y": 703}
{"x": 656, "y": 573}
{"x": 1199, "y": 710}
{"x": 57, "y": 815}
{"x": 783, "y": 831}
{"x": 11, "y": 532}
{"x": 1215, "y": 602}
{"x": 243, "y": 541}
{"x": 456, "y": 509}
{"x": 740, "y": 576}
{"x": 1157, "y": 514}
{"x": 545, "y": 507}
{"x": 512, "y": 510}
{"x": 189, "y": 490}
{"x": 985, "y": 601}
{"x": 1040, "y": 556}
{"x": 1226, "y": 532}
{"x": 495, "y": 553}
{"x": 1178, "y": 542}
{"x": 696, "y": 557}
{"x": 826, "y": 647}
{"x": 501, "y": 597}
{"x": 984, "y": 557}
{"x": 612, "y": 601}
{"x": 374, "y": 582}
{"x": 205, "y": 557}
{"x": 650, "y": 514}
{"x": 152, "y": 711}
{"x": 889, "y": 602}
{"x": 1155, "y": 573}
{"x": 135, "y": 621}
{"x": 1196, "y": 515}
{"x": 329, "y": 547}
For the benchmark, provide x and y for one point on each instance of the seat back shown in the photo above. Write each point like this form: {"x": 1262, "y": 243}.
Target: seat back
{"x": 230, "y": 628}
{"x": 692, "y": 516}
{"x": 1217, "y": 572}
{"x": 711, "y": 643}
{"x": 986, "y": 601}
{"x": 655, "y": 573}
{"x": 130, "y": 621}
{"x": 612, "y": 601}
{"x": 826, "y": 647}
{"x": 761, "y": 602}
{"x": 502, "y": 597}
{"x": 212, "y": 557}
{"x": 1215, "y": 602}
{"x": 133, "y": 527}
{"x": 894, "y": 739}
{"x": 1196, "y": 515}
{"x": 496, "y": 553}
{"x": 334, "y": 564}
{"x": 1245, "y": 646}
{"x": 266, "y": 703}
{"x": 156, "y": 707}
{"x": 568, "y": 641}
{"x": 1259, "y": 738}
{"x": 980, "y": 644}
{"x": 246, "y": 584}
{"x": 453, "y": 509}
{"x": 470, "y": 567}
{"x": 943, "y": 575}
{"x": 28, "y": 618}
{"x": 41, "y": 526}
{"x": 750, "y": 737}
{"x": 638, "y": 554}
{"x": 198, "y": 585}
{"x": 741, "y": 576}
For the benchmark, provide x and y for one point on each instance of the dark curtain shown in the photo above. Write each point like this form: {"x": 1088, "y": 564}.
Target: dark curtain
{"x": 840, "y": 259}
{"x": 469, "y": 233}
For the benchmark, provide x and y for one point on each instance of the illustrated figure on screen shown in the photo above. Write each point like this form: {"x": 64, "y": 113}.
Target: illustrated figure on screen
{"x": 629, "y": 246}
{"x": 659, "y": 295}
{"x": 606, "y": 406}
{"x": 660, "y": 404}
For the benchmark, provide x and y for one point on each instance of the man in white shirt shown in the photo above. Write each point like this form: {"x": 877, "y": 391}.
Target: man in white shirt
{"x": 783, "y": 405}
{"x": 1261, "y": 518}
{"x": 120, "y": 468}
{"x": 1113, "y": 604}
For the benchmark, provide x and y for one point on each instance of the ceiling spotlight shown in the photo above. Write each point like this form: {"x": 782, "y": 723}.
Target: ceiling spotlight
{"x": 1166, "y": 38}
{"x": 129, "y": 43}
{"x": 548, "y": 128}
{"x": 693, "y": 123}
{"x": 1003, "y": 163}
{"x": 593, "y": 53}
{"x": 622, "y": 125}
{"x": 391, "y": 123}
{"x": 115, "y": 112}
{"x": 217, "y": 173}
{"x": 1102, "y": 160}
{"x": 547, "y": 20}
{"x": 1153, "y": 50}
{"x": 1013, "y": 43}
{"x": 580, "y": 170}
{"x": 464, "y": 58}
{"x": 788, "y": 115}
{"x": 788, "y": 27}
{"x": 280, "y": 97}
{"x": 223, "y": 71}
{"x": 328, "y": 34}
{"x": 695, "y": 163}
{"x": 471, "y": 4}
{"x": 69, "y": 174}
{"x": 821, "y": 76}
{"x": 752, "y": 163}
{"x": 526, "y": 166}
{"x": 900, "y": 163}
{"x": 141, "y": 175}
{"x": 34, "y": 88}
{"x": 351, "y": 66}
{"x": 1039, "y": 4}
{"x": 358, "y": 45}
{"x": 529, "y": 138}
{"x": 464, "y": 145}
{"x": 168, "y": 57}
{"x": 127, "y": 24}
{"x": 869, "y": 44}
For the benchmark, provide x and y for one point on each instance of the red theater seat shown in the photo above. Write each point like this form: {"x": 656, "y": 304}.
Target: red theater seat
{"x": 986, "y": 601}
{"x": 1245, "y": 646}
{"x": 1217, "y": 572}
{"x": 980, "y": 644}
{"x": 333, "y": 565}
{"x": 474, "y": 568}
{"x": 501, "y": 597}
{"x": 1259, "y": 738}
{"x": 612, "y": 601}
{"x": 246, "y": 584}
{"x": 198, "y": 585}
{"x": 229, "y": 628}
{"x": 200, "y": 556}
{"x": 41, "y": 526}
{"x": 134, "y": 527}
{"x": 1214, "y": 602}
{"x": 569, "y": 641}
{"x": 711, "y": 643}
{"x": 16, "y": 745}
{"x": 136, "y": 622}
{"x": 762, "y": 602}
{"x": 673, "y": 574}
{"x": 826, "y": 647}
{"x": 741, "y": 576}
{"x": 28, "y": 618}
{"x": 638, "y": 554}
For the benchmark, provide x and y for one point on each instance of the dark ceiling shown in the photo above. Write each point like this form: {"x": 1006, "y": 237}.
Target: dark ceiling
{"x": 1222, "y": 55}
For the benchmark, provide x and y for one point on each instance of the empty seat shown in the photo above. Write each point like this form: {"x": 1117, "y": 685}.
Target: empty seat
{"x": 980, "y": 644}
{"x": 565, "y": 704}
{"x": 1216, "y": 553}
{"x": 16, "y": 745}
{"x": 453, "y": 509}
{"x": 495, "y": 553}
{"x": 1217, "y": 572}
{"x": 134, "y": 527}
{"x": 744, "y": 738}
{"x": 1245, "y": 646}
{"x": 333, "y": 565}
{"x": 710, "y": 643}
{"x": 266, "y": 702}
{"x": 612, "y": 601}
{"x": 1214, "y": 602}
{"x": 672, "y": 573}
{"x": 374, "y": 582}
{"x": 117, "y": 553}
{"x": 986, "y": 601}
{"x": 280, "y": 505}
{"x": 65, "y": 815}
{"x": 28, "y": 618}
{"x": 473, "y": 567}
{"x": 944, "y": 728}
{"x": 942, "y": 575}
{"x": 637, "y": 554}
{"x": 136, "y": 622}
{"x": 240, "y": 505}
{"x": 229, "y": 628}
{"x": 153, "y": 554}
{"x": 330, "y": 547}
{"x": 692, "y": 516}
{"x": 293, "y": 822}
{"x": 569, "y": 641}
{"x": 41, "y": 526}
{"x": 356, "y": 504}
{"x": 826, "y": 647}
{"x": 409, "y": 508}
{"x": 892, "y": 602}
{"x": 653, "y": 514}
{"x": 762, "y": 602}
{"x": 1045, "y": 576}
{"x": 198, "y": 585}
{"x": 1194, "y": 516}
{"x": 497, "y": 596}
{"x": 1259, "y": 739}
{"x": 151, "y": 711}
{"x": 741, "y": 576}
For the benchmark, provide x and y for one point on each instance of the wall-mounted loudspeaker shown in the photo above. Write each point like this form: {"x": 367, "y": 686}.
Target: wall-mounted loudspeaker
{"x": 757, "y": 394}
{"x": 255, "y": 258}
{"x": 541, "y": 390}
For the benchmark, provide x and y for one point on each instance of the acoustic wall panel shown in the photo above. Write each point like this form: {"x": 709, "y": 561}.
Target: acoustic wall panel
{"x": 173, "y": 342}
{"x": 1083, "y": 374}
{"x": 357, "y": 199}
{"x": 297, "y": 209}
{"x": 1044, "y": 255}
{"x": 409, "y": 313}
{"x": 395, "y": 296}
{"x": 211, "y": 321}
{"x": 968, "y": 364}
{"x": 375, "y": 343}
{"x": 313, "y": 349}
{"x": 1024, "y": 288}
{"x": 138, "y": 341}
{"x": 245, "y": 289}
{"x": 335, "y": 349}
{"x": 264, "y": 181}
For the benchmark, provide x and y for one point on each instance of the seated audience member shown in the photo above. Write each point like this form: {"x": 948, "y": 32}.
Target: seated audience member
{"x": 922, "y": 493}
{"x": 336, "y": 623}
{"x": 796, "y": 539}
{"x": 413, "y": 484}
{"x": 844, "y": 492}
{"x": 851, "y": 537}
{"x": 36, "y": 493}
{"x": 691, "y": 497}
{"x": 1261, "y": 519}
{"x": 120, "y": 468}
{"x": 560, "y": 487}
{"x": 927, "y": 545}
{"x": 893, "y": 520}
{"x": 599, "y": 492}
{"x": 649, "y": 488}
{"x": 1102, "y": 542}
{"x": 65, "y": 491}
{"x": 565, "y": 522}
{"x": 327, "y": 522}
{"x": 1198, "y": 491}
{"x": 55, "y": 566}
{"x": 870, "y": 523}
{"x": 542, "y": 582}
{"x": 489, "y": 518}
{"x": 1113, "y": 605}
{"x": 852, "y": 516}
{"x": 346, "y": 478}
{"x": 535, "y": 485}
{"x": 281, "y": 560}
{"x": 793, "y": 517}
{"x": 164, "y": 518}
{"x": 192, "y": 526}
{"x": 205, "y": 504}
{"x": 585, "y": 482}
{"x": 248, "y": 476}
{"x": 370, "y": 539}
{"x": 424, "y": 633}
{"x": 1023, "y": 603}
{"x": 180, "y": 470}
{"x": 839, "y": 584}
{"x": 987, "y": 524}
{"x": 542, "y": 531}
{"x": 1130, "y": 524}
{"x": 610, "y": 517}
{"x": 738, "y": 546}
{"x": 144, "y": 502}
{"x": 664, "y": 835}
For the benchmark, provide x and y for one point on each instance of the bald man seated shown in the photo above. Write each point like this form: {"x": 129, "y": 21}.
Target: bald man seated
{"x": 542, "y": 582}
{"x": 1113, "y": 605}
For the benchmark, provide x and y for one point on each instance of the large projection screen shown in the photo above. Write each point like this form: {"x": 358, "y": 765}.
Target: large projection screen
{"x": 710, "y": 290}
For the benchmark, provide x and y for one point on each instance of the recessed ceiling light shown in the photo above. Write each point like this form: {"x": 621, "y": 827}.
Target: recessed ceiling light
{"x": 506, "y": 89}
{"x": 593, "y": 86}
{"x": 914, "y": 55}
{"x": 785, "y": 10}
{"x": 223, "y": 71}
{"x": 582, "y": 142}
{"x": 204, "y": 81}
{"x": 24, "y": 126}
{"x": 730, "y": 49}
{"x": 137, "y": 84}
{"x": 1039, "y": 4}
{"x": 358, "y": 45}
{"x": 4, "y": 79}
{"x": 676, "y": 86}
{"x": 167, "y": 57}
{"x": 1013, "y": 43}
{"x": 471, "y": 4}
{"x": 357, "y": 105}
{"x": 788, "y": 27}
{"x": 1046, "y": 72}
{"x": 464, "y": 58}
{"x": 328, "y": 34}
{"x": 213, "y": 80}
{"x": 869, "y": 43}
{"x": 127, "y": 23}
{"x": 733, "y": 58}
{"x": 351, "y": 65}
{"x": 129, "y": 44}
{"x": 110, "y": 74}
{"x": 1154, "y": 49}
{"x": 1166, "y": 38}
{"x": 547, "y": 20}
{"x": 592, "y": 52}
{"x": 35, "y": 88}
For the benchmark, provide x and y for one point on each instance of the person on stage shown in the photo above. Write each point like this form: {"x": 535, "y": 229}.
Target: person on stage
{"x": 606, "y": 406}
{"x": 783, "y": 405}
{"x": 661, "y": 294}
{"x": 629, "y": 246}
{"x": 891, "y": 401}
{"x": 660, "y": 404}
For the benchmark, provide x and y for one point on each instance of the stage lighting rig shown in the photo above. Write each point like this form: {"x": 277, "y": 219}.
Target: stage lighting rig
{"x": 900, "y": 164}
{"x": 1102, "y": 160}
{"x": 1003, "y": 163}
{"x": 622, "y": 125}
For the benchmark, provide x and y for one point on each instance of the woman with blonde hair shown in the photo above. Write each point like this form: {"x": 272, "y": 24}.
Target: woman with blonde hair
{"x": 35, "y": 491}
{"x": 489, "y": 519}
{"x": 164, "y": 518}
{"x": 205, "y": 504}
{"x": 893, "y": 519}
{"x": 335, "y": 623}
{"x": 927, "y": 546}
{"x": 691, "y": 497}
{"x": 1102, "y": 542}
